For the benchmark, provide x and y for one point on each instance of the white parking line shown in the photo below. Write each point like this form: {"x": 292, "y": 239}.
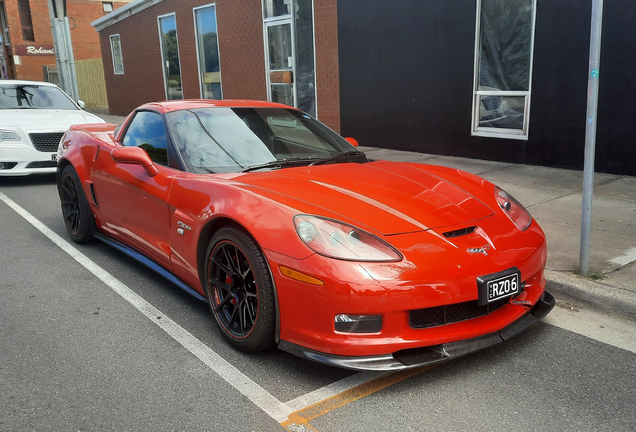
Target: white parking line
{"x": 263, "y": 399}
{"x": 333, "y": 389}
{"x": 276, "y": 409}
{"x": 628, "y": 256}
{"x": 617, "y": 332}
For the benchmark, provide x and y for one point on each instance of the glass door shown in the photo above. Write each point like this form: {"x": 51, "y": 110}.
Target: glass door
{"x": 208, "y": 52}
{"x": 170, "y": 56}
{"x": 281, "y": 62}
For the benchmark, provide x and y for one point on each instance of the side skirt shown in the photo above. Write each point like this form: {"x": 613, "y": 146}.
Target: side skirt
{"x": 149, "y": 263}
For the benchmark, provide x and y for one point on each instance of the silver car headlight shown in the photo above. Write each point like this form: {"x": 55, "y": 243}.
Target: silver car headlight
{"x": 339, "y": 240}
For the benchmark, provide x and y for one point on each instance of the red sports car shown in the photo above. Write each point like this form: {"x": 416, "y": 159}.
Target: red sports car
{"x": 298, "y": 240}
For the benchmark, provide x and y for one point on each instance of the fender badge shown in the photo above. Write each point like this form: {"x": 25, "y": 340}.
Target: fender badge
{"x": 481, "y": 250}
{"x": 182, "y": 225}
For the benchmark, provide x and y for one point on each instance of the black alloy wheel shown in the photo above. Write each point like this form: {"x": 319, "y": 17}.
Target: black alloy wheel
{"x": 234, "y": 292}
{"x": 75, "y": 209}
{"x": 70, "y": 204}
{"x": 240, "y": 290}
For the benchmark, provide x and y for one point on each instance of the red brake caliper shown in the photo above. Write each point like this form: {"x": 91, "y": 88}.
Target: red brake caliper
{"x": 228, "y": 280}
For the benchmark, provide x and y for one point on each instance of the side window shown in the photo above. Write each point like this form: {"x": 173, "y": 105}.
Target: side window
{"x": 147, "y": 131}
{"x": 115, "y": 50}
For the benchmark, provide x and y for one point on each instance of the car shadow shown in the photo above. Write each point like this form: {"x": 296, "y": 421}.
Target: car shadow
{"x": 30, "y": 180}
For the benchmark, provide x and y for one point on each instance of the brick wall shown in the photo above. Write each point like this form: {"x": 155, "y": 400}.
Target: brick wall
{"x": 327, "y": 70}
{"x": 240, "y": 44}
{"x": 241, "y": 52}
{"x": 30, "y": 68}
{"x": 142, "y": 80}
{"x": 84, "y": 37}
{"x": 241, "y": 49}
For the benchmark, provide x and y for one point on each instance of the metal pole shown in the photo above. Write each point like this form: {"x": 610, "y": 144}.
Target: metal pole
{"x": 590, "y": 134}
{"x": 63, "y": 48}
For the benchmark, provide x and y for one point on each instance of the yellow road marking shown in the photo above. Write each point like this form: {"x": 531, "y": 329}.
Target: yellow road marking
{"x": 299, "y": 420}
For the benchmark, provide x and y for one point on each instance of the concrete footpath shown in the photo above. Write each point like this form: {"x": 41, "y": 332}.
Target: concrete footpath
{"x": 553, "y": 197}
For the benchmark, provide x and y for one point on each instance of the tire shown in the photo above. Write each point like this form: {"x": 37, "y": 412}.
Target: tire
{"x": 76, "y": 212}
{"x": 240, "y": 291}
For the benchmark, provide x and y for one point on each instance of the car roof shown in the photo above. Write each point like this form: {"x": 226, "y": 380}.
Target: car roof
{"x": 169, "y": 106}
{"x": 25, "y": 82}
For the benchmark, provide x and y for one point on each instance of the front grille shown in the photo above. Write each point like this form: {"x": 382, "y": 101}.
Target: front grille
{"x": 442, "y": 315}
{"x": 46, "y": 142}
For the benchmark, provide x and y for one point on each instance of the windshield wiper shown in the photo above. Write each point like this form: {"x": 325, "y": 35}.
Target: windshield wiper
{"x": 283, "y": 163}
{"x": 338, "y": 156}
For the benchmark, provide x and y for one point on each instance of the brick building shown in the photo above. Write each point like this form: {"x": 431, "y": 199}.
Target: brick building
{"x": 26, "y": 40}
{"x": 501, "y": 80}
{"x": 217, "y": 50}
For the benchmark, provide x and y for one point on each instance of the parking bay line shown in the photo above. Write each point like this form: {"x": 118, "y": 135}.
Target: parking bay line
{"x": 318, "y": 402}
{"x": 603, "y": 328}
{"x": 259, "y": 396}
{"x": 299, "y": 420}
{"x": 625, "y": 258}
{"x": 617, "y": 332}
{"x": 276, "y": 409}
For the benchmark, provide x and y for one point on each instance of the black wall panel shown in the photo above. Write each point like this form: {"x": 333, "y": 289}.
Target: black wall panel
{"x": 406, "y": 81}
{"x": 616, "y": 139}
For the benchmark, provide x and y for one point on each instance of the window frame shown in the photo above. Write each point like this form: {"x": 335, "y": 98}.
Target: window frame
{"x": 196, "y": 41}
{"x": 112, "y": 54}
{"x": 476, "y": 130}
{"x": 163, "y": 60}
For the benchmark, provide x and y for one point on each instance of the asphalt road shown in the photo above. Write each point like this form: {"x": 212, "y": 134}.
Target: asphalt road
{"x": 97, "y": 342}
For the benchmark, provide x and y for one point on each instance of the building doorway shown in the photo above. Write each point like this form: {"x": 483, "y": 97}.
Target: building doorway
{"x": 289, "y": 53}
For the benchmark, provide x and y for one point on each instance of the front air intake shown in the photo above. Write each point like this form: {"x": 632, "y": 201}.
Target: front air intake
{"x": 442, "y": 315}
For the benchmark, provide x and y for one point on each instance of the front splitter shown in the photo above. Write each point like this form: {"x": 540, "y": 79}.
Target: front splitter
{"x": 416, "y": 357}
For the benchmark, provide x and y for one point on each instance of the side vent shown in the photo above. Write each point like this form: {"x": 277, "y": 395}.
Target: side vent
{"x": 459, "y": 232}
{"x": 93, "y": 195}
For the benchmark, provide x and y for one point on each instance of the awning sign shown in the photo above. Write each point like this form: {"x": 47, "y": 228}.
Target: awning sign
{"x": 33, "y": 50}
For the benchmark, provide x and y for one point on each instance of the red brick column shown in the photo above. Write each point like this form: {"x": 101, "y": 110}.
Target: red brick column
{"x": 327, "y": 70}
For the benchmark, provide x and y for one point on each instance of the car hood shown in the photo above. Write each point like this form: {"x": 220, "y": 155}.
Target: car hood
{"x": 34, "y": 119}
{"x": 389, "y": 197}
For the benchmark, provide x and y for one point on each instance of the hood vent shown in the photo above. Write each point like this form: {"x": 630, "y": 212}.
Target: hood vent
{"x": 459, "y": 232}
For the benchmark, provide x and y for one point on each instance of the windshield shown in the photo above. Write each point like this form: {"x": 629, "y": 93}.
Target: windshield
{"x": 27, "y": 96}
{"x": 220, "y": 139}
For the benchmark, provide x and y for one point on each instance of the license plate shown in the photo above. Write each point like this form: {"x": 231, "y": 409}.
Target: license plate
{"x": 500, "y": 285}
{"x": 54, "y": 156}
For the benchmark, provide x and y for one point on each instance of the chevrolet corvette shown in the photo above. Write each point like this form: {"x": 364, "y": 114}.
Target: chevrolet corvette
{"x": 298, "y": 240}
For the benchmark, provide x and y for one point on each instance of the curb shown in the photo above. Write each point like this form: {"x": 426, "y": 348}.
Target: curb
{"x": 598, "y": 296}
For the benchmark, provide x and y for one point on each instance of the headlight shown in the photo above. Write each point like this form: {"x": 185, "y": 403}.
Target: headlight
{"x": 341, "y": 241}
{"x": 513, "y": 209}
{"x": 8, "y": 135}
